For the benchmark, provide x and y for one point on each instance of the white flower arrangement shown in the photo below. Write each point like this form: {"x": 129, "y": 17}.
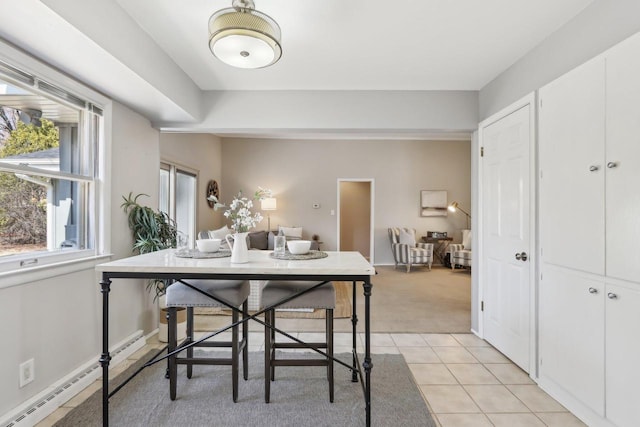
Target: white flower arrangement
{"x": 239, "y": 211}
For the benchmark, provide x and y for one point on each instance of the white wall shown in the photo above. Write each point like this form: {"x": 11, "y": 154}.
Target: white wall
{"x": 55, "y": 322}
{"x": 203, "y": 153}
{"x": 135, "y": 168}
{"x": 301, "y": 173}
{"x": 601, "y": 25}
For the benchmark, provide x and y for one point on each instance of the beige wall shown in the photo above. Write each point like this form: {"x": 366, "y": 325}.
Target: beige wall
{"x": 201, "y": 152}
{"x": 302, "y": 173}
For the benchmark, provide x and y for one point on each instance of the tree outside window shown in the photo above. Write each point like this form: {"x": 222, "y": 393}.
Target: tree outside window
{"x": 23, "y": 203}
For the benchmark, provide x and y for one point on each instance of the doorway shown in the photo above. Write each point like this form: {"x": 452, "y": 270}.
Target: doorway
{"x": 355, "y": 216}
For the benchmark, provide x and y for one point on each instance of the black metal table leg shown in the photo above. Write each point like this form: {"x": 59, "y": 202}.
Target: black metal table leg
{"x": 368, "y": 365}
{"x": 354, "y": 335}
{"x": 105, "y": 358}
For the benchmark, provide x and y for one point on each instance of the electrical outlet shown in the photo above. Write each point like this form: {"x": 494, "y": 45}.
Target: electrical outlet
{"x": 27, "y": 372}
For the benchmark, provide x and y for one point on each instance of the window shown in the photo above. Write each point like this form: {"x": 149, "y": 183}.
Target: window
{"x": 178, "y": 189}
{"x": 48, "y": 140}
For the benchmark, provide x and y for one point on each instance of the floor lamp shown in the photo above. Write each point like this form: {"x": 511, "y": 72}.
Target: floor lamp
{"x": 268, "y": 204}
{"x": 455, "y": 206}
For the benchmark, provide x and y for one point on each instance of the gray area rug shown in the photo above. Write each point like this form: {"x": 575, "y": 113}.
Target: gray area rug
{"x": 299, "y": 397}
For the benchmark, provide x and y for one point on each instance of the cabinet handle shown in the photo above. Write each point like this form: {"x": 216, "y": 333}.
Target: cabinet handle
{"x": 593, "y": 291}
{"x": 612, "y": 165}
{"x": 611, "y": 295}
{"x": 593, "y": 168}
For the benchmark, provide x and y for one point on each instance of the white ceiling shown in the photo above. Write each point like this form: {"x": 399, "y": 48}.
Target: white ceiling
{"x": 363, "y": 44}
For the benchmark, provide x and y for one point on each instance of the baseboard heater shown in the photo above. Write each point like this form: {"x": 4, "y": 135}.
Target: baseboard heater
{"x": 46, "y": 403}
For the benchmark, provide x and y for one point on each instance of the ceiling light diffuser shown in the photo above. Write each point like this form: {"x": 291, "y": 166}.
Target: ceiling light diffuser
{"x": 243, "y": 37}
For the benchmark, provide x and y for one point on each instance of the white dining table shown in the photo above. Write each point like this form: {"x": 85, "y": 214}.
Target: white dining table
{"x": 336, "y": 266}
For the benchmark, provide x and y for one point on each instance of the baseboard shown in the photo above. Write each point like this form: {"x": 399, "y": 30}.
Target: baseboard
{"x": 577, "y": 408}
{"x": 46, "y": 402}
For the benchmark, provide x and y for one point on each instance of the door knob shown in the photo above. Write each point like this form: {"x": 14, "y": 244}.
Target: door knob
{"x": 593, "y": 291}
{"x": 593, "y": 168}
{"x": 521, "y": 256}
{"x": 612, "y": 165}
{"x": 611, "y": 295}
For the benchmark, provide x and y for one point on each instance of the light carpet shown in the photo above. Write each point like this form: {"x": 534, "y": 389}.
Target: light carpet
{"x": 299, "y": 397}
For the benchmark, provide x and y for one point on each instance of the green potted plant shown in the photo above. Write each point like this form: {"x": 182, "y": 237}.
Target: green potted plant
{"x": 153, "y": 231}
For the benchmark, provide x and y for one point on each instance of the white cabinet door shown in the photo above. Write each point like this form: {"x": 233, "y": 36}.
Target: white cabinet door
{"x": 623, "y": 161}
{"x": 623, "y": 355}
{"x": 571, "y": 148}
{"x": 571, "y": 334}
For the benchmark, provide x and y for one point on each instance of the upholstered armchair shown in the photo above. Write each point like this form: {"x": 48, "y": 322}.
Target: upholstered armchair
{"x": 461, "y": 253}
{"x": 407, "y": 251}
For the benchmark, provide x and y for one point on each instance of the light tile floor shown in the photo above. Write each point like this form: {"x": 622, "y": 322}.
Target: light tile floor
{"x": 464, "y": 381}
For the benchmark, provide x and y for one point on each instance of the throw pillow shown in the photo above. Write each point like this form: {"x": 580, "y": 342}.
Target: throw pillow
{"x": 291, "y": 233}
{"x": 466, "y": 239}
{"x": 221, "y": 233}
{"x": 407, "y": 237}
{"x": 258, "y": 240}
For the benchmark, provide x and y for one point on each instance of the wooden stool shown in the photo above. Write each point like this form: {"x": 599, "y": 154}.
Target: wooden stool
{"x": 321, "y": 297}
{"x": 233, "y": 292}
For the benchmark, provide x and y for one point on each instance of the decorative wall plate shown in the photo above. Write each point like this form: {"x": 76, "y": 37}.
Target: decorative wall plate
{"x": 212, "y": 190}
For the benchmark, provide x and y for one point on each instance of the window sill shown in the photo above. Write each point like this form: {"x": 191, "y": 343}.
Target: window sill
{"x": 31, "y": 274}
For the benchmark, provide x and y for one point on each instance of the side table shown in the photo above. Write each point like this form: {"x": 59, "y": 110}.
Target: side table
{"x": 440, "y": 245}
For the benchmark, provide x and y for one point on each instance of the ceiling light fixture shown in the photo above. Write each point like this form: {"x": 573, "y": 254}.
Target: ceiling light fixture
{"x": 244, "y": 37}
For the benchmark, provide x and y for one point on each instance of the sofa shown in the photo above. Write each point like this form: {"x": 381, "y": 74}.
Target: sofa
{"x": 258, "y": 240}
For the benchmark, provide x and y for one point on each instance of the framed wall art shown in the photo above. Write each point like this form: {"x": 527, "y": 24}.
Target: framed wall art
{"x": 433, "y": 203}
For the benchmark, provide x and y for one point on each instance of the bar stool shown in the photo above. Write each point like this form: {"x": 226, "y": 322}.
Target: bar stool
{"x": 321, "y": 297}
{"x": 235, "y": 293}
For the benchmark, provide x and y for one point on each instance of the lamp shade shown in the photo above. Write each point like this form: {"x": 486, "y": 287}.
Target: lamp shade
{"x": 244, "y": 37}
{"x": 453, "y": 206}
{"x": 268, "y": 204}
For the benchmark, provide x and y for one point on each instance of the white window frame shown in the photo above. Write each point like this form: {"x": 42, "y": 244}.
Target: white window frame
{"x": 20, "y": 69}
{"x": 173, "y": 169}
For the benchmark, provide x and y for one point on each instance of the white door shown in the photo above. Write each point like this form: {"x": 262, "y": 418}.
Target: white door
{"x": 623, "y": 161}
{"x": 622, "y": 355}
{"x": 571, "y": 333}
{"x": 571, "y": 147}
{"x": 506, "y": 250}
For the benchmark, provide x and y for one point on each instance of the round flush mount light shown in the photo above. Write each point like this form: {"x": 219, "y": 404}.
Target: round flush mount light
{"x": 243, "y": 37}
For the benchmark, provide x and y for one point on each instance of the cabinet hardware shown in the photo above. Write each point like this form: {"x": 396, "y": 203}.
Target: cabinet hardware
{"x": 593, "y": 291}
{"x": 593, "y": 168}
{"x": 612, "y": 165}
{"x": 611, "y": 295}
